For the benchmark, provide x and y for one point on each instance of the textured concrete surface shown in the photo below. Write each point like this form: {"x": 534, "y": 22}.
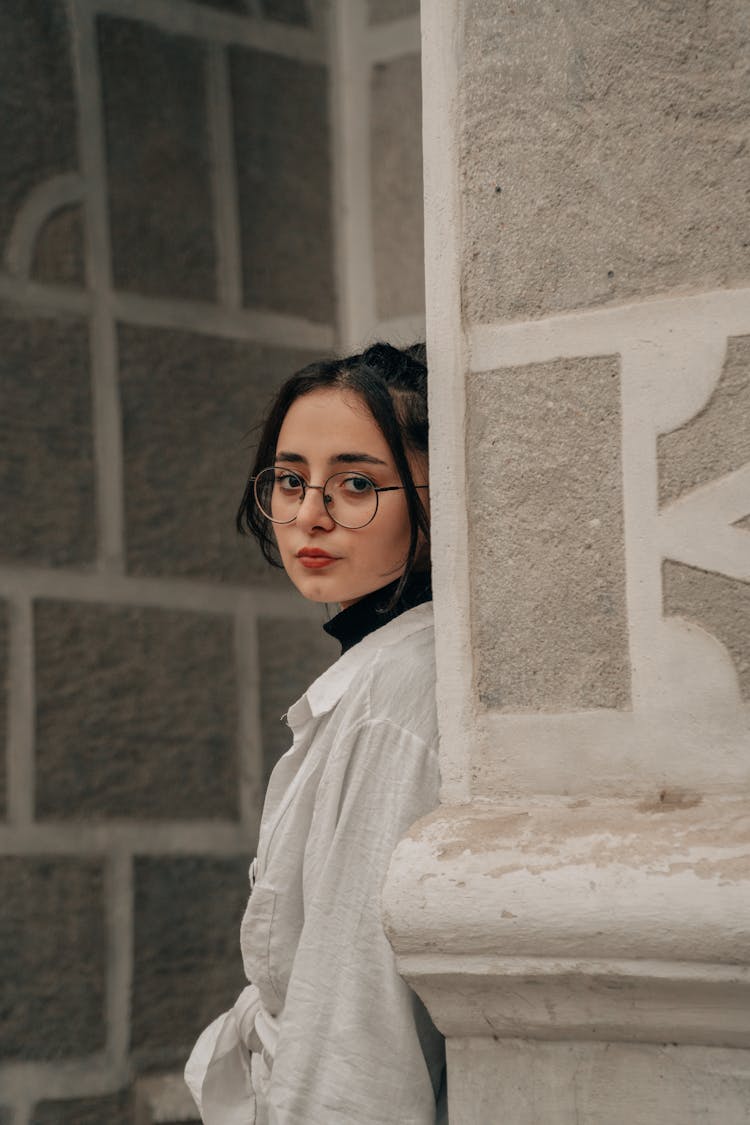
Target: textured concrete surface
{"x": 53, "y": 950}
{"x": 136, "y": 713}
{"x": 191, "y": 405}
{"x": 716, "y": 441}
{"x": 38, "y": 137}
{"x": 532, "y": 1083}
{"x": 4, "y": 655}
{"x": 282, "y": 143}
{"x": 604, "y": 152}
{"x": 46, "y": 454}
{"x": 547, "y": 539}
{"x": 115, "y": 1109}
{"x": 157, "y": 160}
{"x": 187, "y": 964}
{"x": 381, "y": 11}
{"x": 718, "y": 604}
{"x": 292, "y": 655}
{"x": 396, "y": 160}
{"x": 58, "y": 254}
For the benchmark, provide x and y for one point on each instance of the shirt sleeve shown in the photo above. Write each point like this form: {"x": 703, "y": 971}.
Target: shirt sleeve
{"x": 355, "y": 1043}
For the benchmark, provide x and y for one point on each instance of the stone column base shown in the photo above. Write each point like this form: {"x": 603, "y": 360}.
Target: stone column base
{"x": 583, "y": 954}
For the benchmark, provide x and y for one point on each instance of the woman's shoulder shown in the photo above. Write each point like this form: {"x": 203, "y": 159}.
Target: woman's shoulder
{"x": 396, "y": 684}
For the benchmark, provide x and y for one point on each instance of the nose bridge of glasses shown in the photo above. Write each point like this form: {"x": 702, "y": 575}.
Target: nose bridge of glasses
{"x": 325, "y": 498}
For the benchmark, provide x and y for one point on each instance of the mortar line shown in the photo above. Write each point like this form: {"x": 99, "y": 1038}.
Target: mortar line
{"x": 138, "y": 837}
{"x": 157, "y": 593}
{"x": 249, "y": 729}
{"x": 349, "y": 108}
{"x": 205, "y": 318}
{"x": 103, "y": 345}
{"x": 20, "y": 750}
{"x": 393, "y": 40}
{"x": 119, "y": 913}
{"x": 202, "y": 317}
{"x": 224, "y": 179}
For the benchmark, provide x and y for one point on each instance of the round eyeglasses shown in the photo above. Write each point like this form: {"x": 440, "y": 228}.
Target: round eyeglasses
{"x": 350, "y": 499}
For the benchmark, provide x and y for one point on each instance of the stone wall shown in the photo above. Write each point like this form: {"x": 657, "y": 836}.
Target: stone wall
{"x": 576, "y": 915}
{"x": 176, "y": 176}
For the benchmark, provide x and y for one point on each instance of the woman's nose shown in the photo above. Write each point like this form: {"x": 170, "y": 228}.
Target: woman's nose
{"x": 312, "y": 512}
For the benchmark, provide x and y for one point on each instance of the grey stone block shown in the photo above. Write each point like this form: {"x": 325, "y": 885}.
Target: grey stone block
{"x": 292, "y": 655}
{"x": 398, "y": 213}
{"x": 136, "y": 713}
{"x": 282, "y": 147}
{"x": 381, "y": 11}
{"x": 37, "y": 104}
{"x": 46, "y": 442}
{"x": 717, "y": 440}
{"x": 288, "y": 11}
{"x": 4, "y": 668}
{"x": 53, "y": 953}
{"x": 191, "y": 406}
{"x": 158, "y": 160}
{"x": 58, "y": 254}
{"x": 114, "y": 1109}
{"x": 187, "y": 962}
{"x": 547, "y": 536}
{"x": 718, "y": 604}
{"x": 603, "y": 154}
{"x": 280, "y": 11}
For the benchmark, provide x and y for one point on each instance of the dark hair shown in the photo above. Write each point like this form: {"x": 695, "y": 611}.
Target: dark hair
{"x": 393, "y": 384}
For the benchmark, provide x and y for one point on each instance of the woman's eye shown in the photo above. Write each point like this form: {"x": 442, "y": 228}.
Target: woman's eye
{"x": 289, "y": 482}
{"x": 358, "y": 486}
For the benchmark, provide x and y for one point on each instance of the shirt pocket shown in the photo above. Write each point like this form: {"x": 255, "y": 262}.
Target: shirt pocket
{"x": 258, "y": 938}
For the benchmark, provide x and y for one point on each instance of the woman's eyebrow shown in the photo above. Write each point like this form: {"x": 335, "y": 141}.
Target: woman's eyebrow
{"x": 337, "y": 459}
{"x": 353, "y": 458}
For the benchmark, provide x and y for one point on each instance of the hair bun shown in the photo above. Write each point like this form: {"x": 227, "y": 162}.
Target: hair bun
{"x": 398, "y": 365}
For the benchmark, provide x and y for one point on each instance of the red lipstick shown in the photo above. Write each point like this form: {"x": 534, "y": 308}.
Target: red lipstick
{"x": 314, "y": 558}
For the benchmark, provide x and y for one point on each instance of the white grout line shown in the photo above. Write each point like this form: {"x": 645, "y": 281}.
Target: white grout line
{"x": 20, "y": 753}
{"x": 273, "y": 329}
{"x": 119, "y": 912}
{"x": 401, "y": 329}
{"x": 139, "y": 837}
{"x": 226, "y": 214}
{"x": 158, "y": 593}
{"x": 40, "y": 204}
{"x": 106, "y": 405}
{"x": 269, "y": 328}
{"x": 49, "y": 299}
{"x": 184, "y": 17}
{"x": 392, "y": 40}
{"x": 448, "y": 361}
{"x": 349, "y": 109}
{"x": 25, "y": 1083}
{"x": 604, "y": 330}
{"x": 249, "y": 734}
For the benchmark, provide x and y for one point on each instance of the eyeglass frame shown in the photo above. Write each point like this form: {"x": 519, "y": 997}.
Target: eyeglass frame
{"x": 377, "y": 489}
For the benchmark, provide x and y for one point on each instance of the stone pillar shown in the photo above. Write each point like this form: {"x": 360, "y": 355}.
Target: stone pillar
{"x": 576, "y": 915}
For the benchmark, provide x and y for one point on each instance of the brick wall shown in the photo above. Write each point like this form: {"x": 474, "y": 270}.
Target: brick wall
{"x": 171, "y": 232}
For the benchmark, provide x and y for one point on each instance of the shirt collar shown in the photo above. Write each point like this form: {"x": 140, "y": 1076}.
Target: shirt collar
{"x": 325, "y": 692}
{"x": 373, "y": 611}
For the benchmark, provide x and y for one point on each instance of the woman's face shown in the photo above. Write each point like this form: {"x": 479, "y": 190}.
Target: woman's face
{"x": 329, "y": 431}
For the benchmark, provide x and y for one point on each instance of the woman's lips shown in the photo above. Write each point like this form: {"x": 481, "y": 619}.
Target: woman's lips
{"x": 314, "y": 559}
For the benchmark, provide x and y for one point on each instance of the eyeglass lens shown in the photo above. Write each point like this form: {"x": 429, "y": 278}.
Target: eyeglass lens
{"x": 349, "y": 498}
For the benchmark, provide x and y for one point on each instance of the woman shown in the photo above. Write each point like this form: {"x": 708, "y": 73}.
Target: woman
{"x": 328, "y": 1033}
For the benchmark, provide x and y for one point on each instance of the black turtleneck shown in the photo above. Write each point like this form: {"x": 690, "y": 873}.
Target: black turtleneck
{"x": 369, "y": 613}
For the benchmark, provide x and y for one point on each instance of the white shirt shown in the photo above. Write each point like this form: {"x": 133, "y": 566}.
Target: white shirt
{"x": 328, "y": 1033}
